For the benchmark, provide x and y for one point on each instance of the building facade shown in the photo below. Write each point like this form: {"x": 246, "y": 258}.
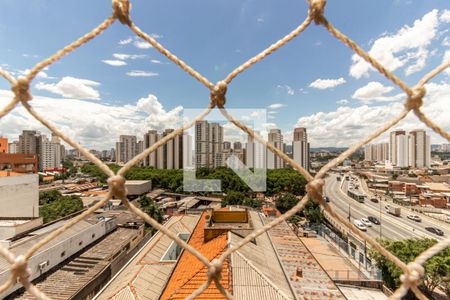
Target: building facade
{"x": 126, "y": 148}
{"x": 3, "y": 145}
{"x": 208, "y": 144}
{"x": 275, "y": 139}
{"x": 300, "y": 147}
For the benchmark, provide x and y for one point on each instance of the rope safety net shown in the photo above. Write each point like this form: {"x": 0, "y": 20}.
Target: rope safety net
{"x": 413, "y": 272}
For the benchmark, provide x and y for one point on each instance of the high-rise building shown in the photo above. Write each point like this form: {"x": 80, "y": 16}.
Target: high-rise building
{"x": 13, "y": 147}
{"x": 401, "y": 146}
{"x": 419, "y": 149}
{"x": 275, "y": 139}
{"x": 50, "y": 153}
{"x": 300, "y": 147}
{"x": 226, "y": 145}
{"x": 167, "y": 156}
{"x": 3, "y": 145}
{"x": 208, "y": 144}
{"x": 393, "y": 145}
{"x": 29, "y": 142}
{"x": 376, "y": 152}
{"x": 256, "y": 153}
{"x": 126, "y": 148}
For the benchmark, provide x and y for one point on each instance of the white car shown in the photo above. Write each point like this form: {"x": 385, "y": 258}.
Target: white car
{"x": 360, "y": 225}
{"x": 366, "y": 222}
{"x": 414, "y": 218}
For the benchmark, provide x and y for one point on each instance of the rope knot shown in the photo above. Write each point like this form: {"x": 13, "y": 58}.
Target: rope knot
{"x": 121, "y": 11}
{"x": 117, "y": 185}
{"x": 19, "y": 269}
{"x": 415, "y": 100}
{"x": 22, "y": 89}
{"x": 316, "y": 9}
{"x": 218, "y": 93}
{"x": 414, "y": 275}
{"x": 314, "y": 188}
{"x": 215, "y": 270}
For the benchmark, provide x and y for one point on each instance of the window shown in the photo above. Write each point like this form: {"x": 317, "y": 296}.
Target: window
{"x": 174, "y": 250}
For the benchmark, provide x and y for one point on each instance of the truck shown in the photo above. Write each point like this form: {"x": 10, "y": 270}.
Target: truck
{"x": 394, "y": 210}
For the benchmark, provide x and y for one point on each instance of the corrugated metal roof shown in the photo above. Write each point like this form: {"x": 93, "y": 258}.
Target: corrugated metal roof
{"x": 146, "y": 275}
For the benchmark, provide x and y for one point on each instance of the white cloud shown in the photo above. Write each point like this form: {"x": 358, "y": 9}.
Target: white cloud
{"x": 41, "y": 74}
{"x": 71, "y": 87}
{"x": 139, "y": 73}
{"x": 287, "y": 88}
{"x": 406, "y": 48}
{"x": 126, "y": 41}
{"x": 375, "y": 91}
{"x": 276, "y": 106}
{"x": 446, "y": 58}
{"x": 114, "y": 63}
{"x": 141, "y": 44}
{"x": 260, "y": 20}
{"x": 155, "y": 61}
{"x": 347, "y": 125}
{"x": 342, "y": 102}
{"x": 123, "y": 56}
{"x": 94, "y": 124}
{"x": 323, "y": 84}
{"x": 445, "y": 16}
{"x": 156, "y": 36}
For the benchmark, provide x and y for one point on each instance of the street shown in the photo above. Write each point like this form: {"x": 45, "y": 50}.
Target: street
{"x": 392, "y": 227}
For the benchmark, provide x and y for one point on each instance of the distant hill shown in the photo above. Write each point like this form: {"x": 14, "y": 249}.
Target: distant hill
{"x": 329, "y": 149}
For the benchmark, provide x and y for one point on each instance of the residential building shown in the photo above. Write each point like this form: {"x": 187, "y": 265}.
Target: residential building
{"x": 393, "y": 145}
{"x": 255, "y": 153}
{"x": 274, "y": 266}
{"x": 300, "y": 147}
{"x": 126, "y": 148}
{"x": 275, "y": 139}
{"x": 19, "y": 163}
{"x": 167, "y": 156}
{"x": 29, "y": 142}
{"x": 376, "y": 152}
{"x": 208, "y": 144}
{"x": 419, "y": 149}
{"x": 13, "y": 147}
{"x": 3, "y": 145}
{"x": 50, "y": 153}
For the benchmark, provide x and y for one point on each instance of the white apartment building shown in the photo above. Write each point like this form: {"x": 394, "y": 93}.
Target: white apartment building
{"x": 126, "y": 148}
{"x": 413, "y": 150}
{"x": 376, "y": 152}
{"x": 255, "y": 153}
{"x": 300, "y": 147}
{"x": 275, "y": 139}
{"x": 167, "y": 156}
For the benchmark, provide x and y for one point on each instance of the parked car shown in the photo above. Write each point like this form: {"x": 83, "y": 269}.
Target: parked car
{"x": 414, "y": 217}
{"x": 373, "y": 220}
{"x": 360, "y": 225}
{"x": 366, "y": 222}
{"x": 326, "y": 198}
{"x": 374, "y": 200}
{"x": 435, "y": 230}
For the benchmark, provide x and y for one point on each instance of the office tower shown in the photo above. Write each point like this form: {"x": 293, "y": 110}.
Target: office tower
{"x": 275, "y": 139}
{"x": 208, "y": 144}
{"x": 126, "y": 148}
{"x": 419, "y": 149}
{"x": 300, "y": 147}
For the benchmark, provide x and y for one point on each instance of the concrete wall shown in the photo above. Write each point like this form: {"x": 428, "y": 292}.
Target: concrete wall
{"x": 19, "y": 196}
{"x": 44, "y": 261}
{"x": 9, "y": 231}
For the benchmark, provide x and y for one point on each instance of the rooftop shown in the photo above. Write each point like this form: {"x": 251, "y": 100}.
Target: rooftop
{"x": 10, "y": 173}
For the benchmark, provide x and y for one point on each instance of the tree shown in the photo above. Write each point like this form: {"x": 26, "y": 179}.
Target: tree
{"x": 285, "y": 202}
{"x": 49, "y": 196}
{"x": 313, "y": 212}
{"x": 61, "y": 207}
{"x": 149, "y": 206}
{"x": 239, "y": 198}
{"x": 437, "y": 268}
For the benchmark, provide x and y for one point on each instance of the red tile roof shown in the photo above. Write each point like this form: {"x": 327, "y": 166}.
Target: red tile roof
{"x": 190, "y": 273}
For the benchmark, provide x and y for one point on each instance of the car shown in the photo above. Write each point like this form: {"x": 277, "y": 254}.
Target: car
{"x": 387, "y": 207}
{"x": 360, "y": 225}
{"x": 366, "y": 222}
{"x": 435, "y": 230}
{"x": 374, "y": 200}
{"x": 326, "y": 198}
{"x": 414, "y": 217}
{"x": 373, "y": 220}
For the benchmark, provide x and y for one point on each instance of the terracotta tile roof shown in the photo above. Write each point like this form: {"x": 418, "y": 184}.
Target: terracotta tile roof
{"x": 190, "y": 273}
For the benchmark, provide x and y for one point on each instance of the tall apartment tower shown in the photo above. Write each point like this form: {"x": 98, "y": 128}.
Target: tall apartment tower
{"x": 126, "y": 148}
{"x": 50, "y": 156}
{"x": 150, "y": 138}
{"x": 376, "y": 152}
{"x": 300, "y": 147}
{"x": 167, "y": 156}
{"x": 29, "y": 142}
{"x": 419, "y": 149}
{"x": 393, "y": 145}
{"x": 208, "y": 144}
{"x": 275, "y": 139}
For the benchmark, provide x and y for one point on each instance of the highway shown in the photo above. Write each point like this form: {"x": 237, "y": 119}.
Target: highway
{"x": 392, "y": 227}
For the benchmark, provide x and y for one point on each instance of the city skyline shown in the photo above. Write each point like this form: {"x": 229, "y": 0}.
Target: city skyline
{"x": 332, "y": 99}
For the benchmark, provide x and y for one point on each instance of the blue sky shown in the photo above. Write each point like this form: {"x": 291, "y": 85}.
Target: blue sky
{"x": 111, "y": 74}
